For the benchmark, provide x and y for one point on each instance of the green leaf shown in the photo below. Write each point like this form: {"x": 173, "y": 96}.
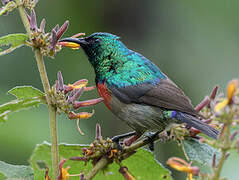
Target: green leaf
{"x": 21, "y": 92}
{"x": 141, "y": 165}
{"x": 27, "y": 97}
{"x": 8, "y": 7}
{"x": 14, "y": 40}
{"x": 16, "y": 172}
{"x": 16, "y": 105}
{"x": 201, "y": 153}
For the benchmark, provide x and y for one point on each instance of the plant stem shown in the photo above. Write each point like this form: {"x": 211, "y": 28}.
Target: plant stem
{"x": 100, "y": 165}
{"x": 226, "y": 146}
{"x": 47, "y": 89}
{"x": 52, "y": 112}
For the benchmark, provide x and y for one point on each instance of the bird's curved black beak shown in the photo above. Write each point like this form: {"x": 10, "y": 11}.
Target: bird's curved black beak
{"x": 73, "y": 43}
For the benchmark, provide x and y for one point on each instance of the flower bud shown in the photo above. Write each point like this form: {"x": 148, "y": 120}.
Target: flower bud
{"x": 125, "y": 172}
{"x": 42, "y": 25}
{"x": 33, "y": 21}
{"x": 60, "y": 81}
{"x": 202, "y": 104}
{"x": 62, "y": 30}
{"x": 87, "y": 103}
{"x": 98, "y": 132}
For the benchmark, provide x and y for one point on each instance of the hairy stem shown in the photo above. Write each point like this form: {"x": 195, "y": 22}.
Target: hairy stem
{"x": 46, "y": 86}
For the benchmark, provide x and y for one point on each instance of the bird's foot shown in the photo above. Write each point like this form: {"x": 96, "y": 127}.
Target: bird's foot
{"x": 151, "y": 136}
{"x": 116, "y": 139}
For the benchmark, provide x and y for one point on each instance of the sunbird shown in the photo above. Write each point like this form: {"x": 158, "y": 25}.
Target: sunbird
{"x": 135, "y": 89}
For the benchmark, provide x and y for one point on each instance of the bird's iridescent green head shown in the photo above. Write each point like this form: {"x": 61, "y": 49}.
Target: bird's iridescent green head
{"x": 98, "y": 46}
{"x": 104, "y": 51}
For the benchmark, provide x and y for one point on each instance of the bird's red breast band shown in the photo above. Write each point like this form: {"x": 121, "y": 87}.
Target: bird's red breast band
{"x": 104, "y": 92}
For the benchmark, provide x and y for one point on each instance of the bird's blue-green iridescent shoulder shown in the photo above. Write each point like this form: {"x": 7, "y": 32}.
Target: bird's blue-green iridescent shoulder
{"x": 135, "y": 69}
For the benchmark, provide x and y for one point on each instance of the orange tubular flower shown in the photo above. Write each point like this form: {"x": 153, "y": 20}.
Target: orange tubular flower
{"x": 79, "y": 84}
{"x": 46, "y": 174}
{"x": 231, "y": 91}
{"x": 181, "y": 165}
{"x": 64, "y": 175}
{"x": 81, "y": 115}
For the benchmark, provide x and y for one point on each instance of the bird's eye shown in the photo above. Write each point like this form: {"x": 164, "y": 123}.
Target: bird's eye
{"x": 92, "y": 40}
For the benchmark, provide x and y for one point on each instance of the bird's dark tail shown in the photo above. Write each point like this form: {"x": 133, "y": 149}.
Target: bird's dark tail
{"x": 198, "y": 124}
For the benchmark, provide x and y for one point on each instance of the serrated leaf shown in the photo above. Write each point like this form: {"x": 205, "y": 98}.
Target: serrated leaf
{"x": 201, "y": 153}
{"x": 27, "y": 97}
{"x": 21, "y": 92}
{"x": 12, "y": 40}
{"x": 8, "y": 7}
{"x": 141, "y": 165}
{"x": 17, "y": 105}
{"x": 16, "y": 172}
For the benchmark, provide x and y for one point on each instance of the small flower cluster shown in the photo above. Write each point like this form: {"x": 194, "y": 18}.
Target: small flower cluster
{"x": 46, "y": 42}
{"x": 98, "y": 148}
{"x": 220, "y": 112}
{"x": 10, "y": 5}
{"x": 65, "y": 97}
{"x": 105, "y": 148}
{"x": 64, "y": 174}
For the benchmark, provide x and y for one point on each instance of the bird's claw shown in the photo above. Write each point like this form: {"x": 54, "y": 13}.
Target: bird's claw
{"x": 151, "y": 136}
{"x": 116, "y": 139}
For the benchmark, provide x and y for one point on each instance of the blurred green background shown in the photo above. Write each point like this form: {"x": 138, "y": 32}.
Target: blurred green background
{"x": 194, "y": 42}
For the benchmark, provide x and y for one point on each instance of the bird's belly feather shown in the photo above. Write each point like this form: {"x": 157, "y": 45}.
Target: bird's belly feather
{"x": 139, "y": 117}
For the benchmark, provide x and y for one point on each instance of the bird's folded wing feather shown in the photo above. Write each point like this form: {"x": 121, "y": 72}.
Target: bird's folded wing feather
{"x": 164, "y": 94}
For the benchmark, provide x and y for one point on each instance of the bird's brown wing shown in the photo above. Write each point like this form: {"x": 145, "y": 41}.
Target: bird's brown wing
{"x": 167, "y": 95}
{"x": 164, "y": 94}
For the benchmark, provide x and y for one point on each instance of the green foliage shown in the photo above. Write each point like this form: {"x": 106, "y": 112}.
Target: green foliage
{"x": 16, "y": 172}
{"x": 200, "y": 153}
{"x": 13, "y": 40}
{"x": 28, "y": 96}
{"x": 142, "y": 164}
{"x": 8, "y": 7}
{"x": 23, "y": 92}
